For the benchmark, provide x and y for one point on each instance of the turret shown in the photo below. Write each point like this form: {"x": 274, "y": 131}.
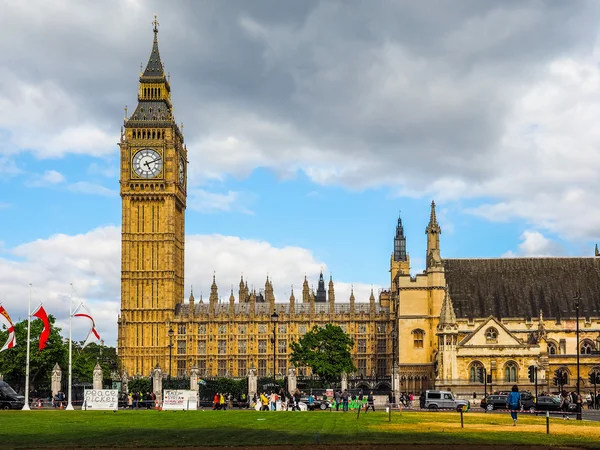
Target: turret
{"x": 321, "y": 296}
{"x": 192, "y": 301}
{"x": 231, "y": 303}
{"x": 305, "y": 291}
{"x": 331, "y": 296}
{"x": 352, "y": 299}
{"x": 214, "y": 295}
{"x": 292, "y": 302}
{"x": 447, "y": 331}
{"x": 400, "y": 260}
{"x": 242, "y": 293}
{"x": 433, "y": 231}
{"x": 372, "y": 302}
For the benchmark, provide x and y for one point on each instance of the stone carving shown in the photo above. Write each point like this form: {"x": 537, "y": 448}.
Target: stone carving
{"x": 97, "y": 383}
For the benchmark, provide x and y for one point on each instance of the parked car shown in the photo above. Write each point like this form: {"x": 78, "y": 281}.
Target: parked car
{"x": 444, "y": 400}
{"x": 492, "y": 402}
{"x": 9, "y": 399}
{"x": 551, "y": 403}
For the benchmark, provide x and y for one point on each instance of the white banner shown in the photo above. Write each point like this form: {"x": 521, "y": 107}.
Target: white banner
{"x": 180, "y": 400}
{"x": 99, "y": 399}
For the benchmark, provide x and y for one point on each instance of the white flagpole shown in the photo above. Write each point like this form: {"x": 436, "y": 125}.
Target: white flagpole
{"x": 70, "y": 405}
{"x": 26, "y": 406}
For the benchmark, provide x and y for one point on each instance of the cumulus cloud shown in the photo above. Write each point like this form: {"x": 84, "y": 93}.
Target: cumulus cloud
{"x": 85, "y": 187}
{"x": 209, "y": 202}
{"x": 48, "y": 178}
{"x": 91, "y": 263}
{"x": 536, "y": 244}
{"x": 480, "y": 100}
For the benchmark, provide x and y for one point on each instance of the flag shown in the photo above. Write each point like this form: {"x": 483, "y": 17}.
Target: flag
{"x": 40, "y": 313}
{"x": 202, "y": 382}
{"x": 93, "y": 334}
{"x": 5, "y": 320}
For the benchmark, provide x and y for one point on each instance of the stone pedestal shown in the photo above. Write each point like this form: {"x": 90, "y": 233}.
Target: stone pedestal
{"x": 125, "y": 382}
{"x": 396, "y": 382}
{"x": 97, "y": 383}
{"x": 194, "y": 379}
{"x": 344, "y": 381}
{"x": 252, "y": 382}
{"x": 292, "y": 380}
{"x": 157, "y": 377}
{"x": 56, "y": 379}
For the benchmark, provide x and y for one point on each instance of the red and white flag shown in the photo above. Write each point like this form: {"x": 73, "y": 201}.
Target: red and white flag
{"x": 93, "y": 334}
{"x": 40, "y": 313}
{"x": 5, "y": 320}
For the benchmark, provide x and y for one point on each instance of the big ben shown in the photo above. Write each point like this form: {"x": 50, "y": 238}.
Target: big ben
{"x": 153, "y": 181}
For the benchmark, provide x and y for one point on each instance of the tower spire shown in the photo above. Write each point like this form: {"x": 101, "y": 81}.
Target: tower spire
{"x": 399, "y": 242}
{"x": 433, "y": 232}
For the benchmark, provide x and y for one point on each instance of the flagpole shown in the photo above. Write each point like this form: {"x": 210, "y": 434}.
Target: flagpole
{"x": 70, "y": 405}
{"x": 26, "y": 406}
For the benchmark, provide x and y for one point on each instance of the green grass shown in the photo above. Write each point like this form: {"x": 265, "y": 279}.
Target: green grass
{"x": 44, "y": 429}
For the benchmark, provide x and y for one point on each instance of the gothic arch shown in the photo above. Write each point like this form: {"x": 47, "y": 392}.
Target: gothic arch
{"x": 472, "y": 370}
{"x": 511, "y": 371}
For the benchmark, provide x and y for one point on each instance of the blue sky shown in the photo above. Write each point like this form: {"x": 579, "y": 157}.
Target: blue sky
{"x": 309, "y": 128}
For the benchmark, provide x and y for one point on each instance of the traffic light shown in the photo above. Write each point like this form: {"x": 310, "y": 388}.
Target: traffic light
{"x": 531, "y": 372}
{"x": 480, "y": 374}
{"x": 564, "y": 378}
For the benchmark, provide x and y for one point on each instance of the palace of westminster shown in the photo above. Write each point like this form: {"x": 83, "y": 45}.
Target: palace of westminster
{"x": 433, "y": 329}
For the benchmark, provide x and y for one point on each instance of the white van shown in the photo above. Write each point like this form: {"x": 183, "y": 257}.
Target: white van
{"x": 444, "y": 400}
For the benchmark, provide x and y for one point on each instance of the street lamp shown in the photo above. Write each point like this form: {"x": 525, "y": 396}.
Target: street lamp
{"x": 274, "y": 318}
{"x": 171, "y": 332}
{"x": 394, "y": 335}
{"x": 577, "y": 300}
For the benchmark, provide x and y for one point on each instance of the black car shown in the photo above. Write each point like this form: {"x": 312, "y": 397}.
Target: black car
{"x": 492, "y": 402}
{"x": 551, "y": 403}
{"x": 9, "y": 399}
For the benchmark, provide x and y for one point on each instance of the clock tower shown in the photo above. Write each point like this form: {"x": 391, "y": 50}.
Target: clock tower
{"x": 153, "y": 192}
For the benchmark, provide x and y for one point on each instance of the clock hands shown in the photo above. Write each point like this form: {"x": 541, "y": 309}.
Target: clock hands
{"x": 147, "y": 163}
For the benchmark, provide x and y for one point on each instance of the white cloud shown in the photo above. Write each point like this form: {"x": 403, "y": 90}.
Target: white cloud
{"x": 48, "y": 178}
{"x": 91, "y": 261}
{"x": 208, "y": 202}
{"x": 85, "y": 187}
{"x": 536, "y": 244}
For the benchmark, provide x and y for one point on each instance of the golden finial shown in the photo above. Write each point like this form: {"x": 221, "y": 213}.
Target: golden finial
{"x": 156, "y": 24}
{"x": 141, "y": 68}
{"x": 125, "y": 112}
{"x": 169, "y": 77}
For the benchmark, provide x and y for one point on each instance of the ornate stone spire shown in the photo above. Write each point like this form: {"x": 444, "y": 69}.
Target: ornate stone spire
{"x": 447, "y": 315}
{"x": 433, "y": 232}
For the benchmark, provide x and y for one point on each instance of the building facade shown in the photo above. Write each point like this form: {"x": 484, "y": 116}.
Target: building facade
{"x": 432, "y": 329}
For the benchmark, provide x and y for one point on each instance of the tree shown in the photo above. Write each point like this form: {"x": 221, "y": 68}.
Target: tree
{"x": 13, "y": 361}
{"x": 326, "y": 351}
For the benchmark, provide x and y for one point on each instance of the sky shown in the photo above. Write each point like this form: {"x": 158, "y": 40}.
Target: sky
{"x": 310, "y": 126}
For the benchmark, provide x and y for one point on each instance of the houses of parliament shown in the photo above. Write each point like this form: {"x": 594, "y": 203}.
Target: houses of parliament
{"x": 431, "y": 329}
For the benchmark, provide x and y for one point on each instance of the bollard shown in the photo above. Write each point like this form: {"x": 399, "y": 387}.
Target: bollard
{"x": 547, "y": 422}
{"x": 462, "y": 423}
{"x": 390, "y": 413}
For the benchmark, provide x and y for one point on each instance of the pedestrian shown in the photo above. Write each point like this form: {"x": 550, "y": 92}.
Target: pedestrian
{"x": 514, "y": 403}
{"x": 564, "y": 404}
{"x": 370, "y": 402}
{"x": 345, "y": 400}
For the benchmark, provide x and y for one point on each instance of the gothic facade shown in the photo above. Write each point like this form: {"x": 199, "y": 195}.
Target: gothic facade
{"x": 436, "y": 328}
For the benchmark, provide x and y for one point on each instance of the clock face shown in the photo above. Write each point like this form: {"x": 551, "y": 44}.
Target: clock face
{"x": 147, "y": 163}
{"x": 181, "y": 171}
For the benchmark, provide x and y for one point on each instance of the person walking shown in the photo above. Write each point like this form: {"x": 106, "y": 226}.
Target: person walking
{"x": 565, "y": 400}
{"x": 345, "y": 400}
{"x": 513, "y": 402}
{"x": 370, "y": 402}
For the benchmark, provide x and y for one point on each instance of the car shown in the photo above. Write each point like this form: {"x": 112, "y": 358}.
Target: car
{"x": 492, "y": 402}
{"x": 435, "y": 400}
{"x": 9, "y": 399}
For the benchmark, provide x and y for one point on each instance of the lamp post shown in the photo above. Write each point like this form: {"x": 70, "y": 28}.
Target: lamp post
{"x": 394, "y": 336}
{"x": 274, "y": 318}
{"x": 171, "y": 332}
{"x": 577, "y": 300}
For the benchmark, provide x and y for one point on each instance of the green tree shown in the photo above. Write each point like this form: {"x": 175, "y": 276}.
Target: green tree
{"x": 326, "y": 351}
{"x": 84, "y": 361}
{"x": 13, "y": 361}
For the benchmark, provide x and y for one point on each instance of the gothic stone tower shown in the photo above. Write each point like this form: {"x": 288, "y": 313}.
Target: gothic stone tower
{"x": 153, "y": 192}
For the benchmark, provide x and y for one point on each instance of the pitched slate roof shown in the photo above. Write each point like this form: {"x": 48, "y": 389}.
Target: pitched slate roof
{"x": 521, "y": 287}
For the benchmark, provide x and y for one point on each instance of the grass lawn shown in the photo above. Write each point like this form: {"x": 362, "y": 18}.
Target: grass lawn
{"x": 44, "y": 429}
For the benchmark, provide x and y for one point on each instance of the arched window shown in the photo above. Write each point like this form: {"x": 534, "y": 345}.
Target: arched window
{"x": 552, "y": 348}
{"x": 474, "y": 372}
{"x": 586, "y": 347}
{"x": 491, "y": 336}
{"x": 418, "y": 337}
{"x": 510, "y": 372}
